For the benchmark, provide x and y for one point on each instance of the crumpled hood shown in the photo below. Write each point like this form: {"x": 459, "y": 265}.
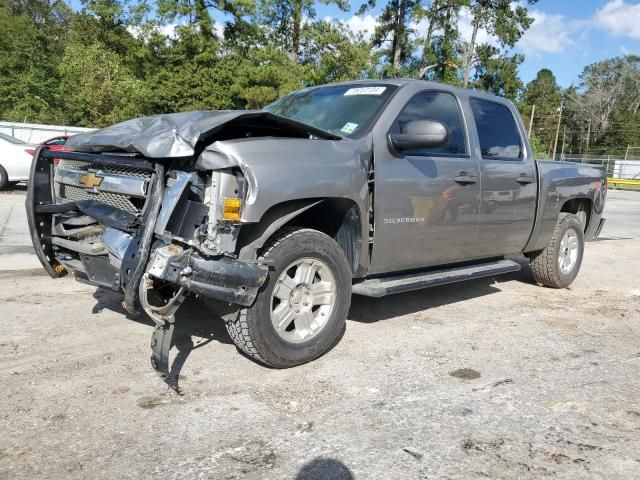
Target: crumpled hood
{"x": 178, "y": 134}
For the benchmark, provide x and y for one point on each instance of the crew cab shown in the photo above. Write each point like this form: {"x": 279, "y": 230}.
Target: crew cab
{"x": 278, "y": 216}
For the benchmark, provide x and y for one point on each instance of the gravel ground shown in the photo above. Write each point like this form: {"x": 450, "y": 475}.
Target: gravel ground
{"x": 495, "y": 378}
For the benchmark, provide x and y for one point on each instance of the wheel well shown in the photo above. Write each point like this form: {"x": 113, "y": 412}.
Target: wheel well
{"x": 580, "y": 207}
{"x": 338, "y": 218}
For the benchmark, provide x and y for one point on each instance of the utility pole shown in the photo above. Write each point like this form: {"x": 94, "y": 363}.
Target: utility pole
{"x": 533, "y": 111}
{"x": 564, "y": 134}
{"x": 588, "y": 137}
{"x": 555, "y": 144}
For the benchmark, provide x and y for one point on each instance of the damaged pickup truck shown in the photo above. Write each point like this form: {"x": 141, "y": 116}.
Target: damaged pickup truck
{"x": 277, "y": 216}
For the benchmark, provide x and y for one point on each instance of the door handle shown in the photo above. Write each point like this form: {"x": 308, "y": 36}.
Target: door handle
{"x": 524, "y": 179}
{"x": 463, "y": 178}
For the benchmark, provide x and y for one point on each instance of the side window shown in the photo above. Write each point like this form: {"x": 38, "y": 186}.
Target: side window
{"x": 439, "y": 106}
{"x": 497, "y": 131}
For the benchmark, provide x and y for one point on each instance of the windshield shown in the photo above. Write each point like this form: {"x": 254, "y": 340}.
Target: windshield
{"x": 346, "y": 110}
{"x": 11, "y": 139}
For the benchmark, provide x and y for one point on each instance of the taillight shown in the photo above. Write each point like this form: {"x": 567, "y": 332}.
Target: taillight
{"x": 30, "y": 151}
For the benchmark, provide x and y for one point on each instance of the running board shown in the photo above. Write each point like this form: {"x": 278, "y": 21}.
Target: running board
{"x": 379, "y": 287}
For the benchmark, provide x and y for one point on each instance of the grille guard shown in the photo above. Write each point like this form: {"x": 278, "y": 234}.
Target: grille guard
{"x": 41, "y": 197}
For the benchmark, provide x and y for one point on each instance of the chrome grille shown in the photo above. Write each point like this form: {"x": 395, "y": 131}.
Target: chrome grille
{"x": 74, "y": 193}
{"x": 132, "y": 172}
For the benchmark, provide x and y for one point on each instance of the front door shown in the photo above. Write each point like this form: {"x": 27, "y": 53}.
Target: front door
{"x": 426, "y": 201}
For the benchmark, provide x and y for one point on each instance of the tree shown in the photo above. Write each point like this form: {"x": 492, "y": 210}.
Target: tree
{"x": 285, "y": 17}
{"x": 101, "y": 90}
{"x": 188, "y": 72}
{"x": 331, "y": 53}
{"x": 546, "y": 95}
{"x": 607, "y": 88}
{"x": 28, "y": 77}
{"x": 194, "y": 12}
{"x": 393, "y": 26}
{"x": 441, "y": 45}
{"x": 497, "y": 73}
{"x": 500, "y": 18}
{"x": 265, "y": 75}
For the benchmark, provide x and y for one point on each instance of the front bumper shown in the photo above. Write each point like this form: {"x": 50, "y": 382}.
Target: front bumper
{"x": 142, "y": 253}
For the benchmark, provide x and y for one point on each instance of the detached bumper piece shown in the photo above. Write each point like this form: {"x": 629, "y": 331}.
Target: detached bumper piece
{"x": 225, "y": 279}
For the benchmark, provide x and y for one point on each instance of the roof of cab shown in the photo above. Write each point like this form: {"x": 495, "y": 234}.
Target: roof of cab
{"x": 411, "y": 83}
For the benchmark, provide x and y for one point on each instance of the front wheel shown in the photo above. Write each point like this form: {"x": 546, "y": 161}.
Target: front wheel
{"x": 300, "y": 312}
{"x": 558, "y": 265}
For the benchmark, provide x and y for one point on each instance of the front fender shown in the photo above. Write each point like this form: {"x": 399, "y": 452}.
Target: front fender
{"x": 285, "y": 169}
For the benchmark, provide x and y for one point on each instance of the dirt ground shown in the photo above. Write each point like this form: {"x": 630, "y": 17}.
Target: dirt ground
{"x": 495, "y": 378}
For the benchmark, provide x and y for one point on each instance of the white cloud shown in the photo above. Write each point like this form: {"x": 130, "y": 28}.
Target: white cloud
{"x": 365, "y": 24}
{"x": 170, "y": 30}
{"x": 547, "y": 34}
{"x": 620, "y": 18}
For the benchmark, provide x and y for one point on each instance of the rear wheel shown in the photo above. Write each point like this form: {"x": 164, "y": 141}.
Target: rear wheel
{"x": 558, "y": 265}
{"x": 300, "y": 312}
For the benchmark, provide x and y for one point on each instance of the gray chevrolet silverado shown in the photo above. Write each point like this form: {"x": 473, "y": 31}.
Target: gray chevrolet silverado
{"x": 277, "y": 216}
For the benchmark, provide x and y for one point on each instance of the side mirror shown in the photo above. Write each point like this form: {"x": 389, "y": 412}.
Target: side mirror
{"x": 420, "y": 134}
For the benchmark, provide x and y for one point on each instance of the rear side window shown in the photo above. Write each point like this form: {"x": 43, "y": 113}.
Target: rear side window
{"x": 497, "y": 131}
{"x": 439, "y": 106}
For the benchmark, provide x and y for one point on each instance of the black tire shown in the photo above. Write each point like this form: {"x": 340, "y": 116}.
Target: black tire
{"x": 252, "y": 330}
{"x": 4, "y": 178}
{"x": 545, "y": 263}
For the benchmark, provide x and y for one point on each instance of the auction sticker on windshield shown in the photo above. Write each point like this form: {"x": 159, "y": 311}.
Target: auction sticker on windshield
{"x": 349, "y": 127}
{"x": 365, "y": 91}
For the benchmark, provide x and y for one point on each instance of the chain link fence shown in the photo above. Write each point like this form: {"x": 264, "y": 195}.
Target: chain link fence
{"x": 35, "y": 133}
{"x": 616, "y": 167}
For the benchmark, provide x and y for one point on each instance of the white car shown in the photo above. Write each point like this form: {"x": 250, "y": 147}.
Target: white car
{"x": 15, "y": 160}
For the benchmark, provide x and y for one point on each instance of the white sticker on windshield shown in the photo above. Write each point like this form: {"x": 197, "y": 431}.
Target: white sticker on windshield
{"x": 349, "y": 127}
{"x": 365, "y": 91}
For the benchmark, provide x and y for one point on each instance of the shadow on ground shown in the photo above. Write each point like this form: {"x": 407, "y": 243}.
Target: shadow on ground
{"x": 20, "y": 188}
{"x": 196, "y": 325}
{"x": 371, "y": 310}
{"x": 322, "y": 468}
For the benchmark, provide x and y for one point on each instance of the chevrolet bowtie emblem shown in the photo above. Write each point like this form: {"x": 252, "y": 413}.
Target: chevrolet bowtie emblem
{"x": 90, "y": 180}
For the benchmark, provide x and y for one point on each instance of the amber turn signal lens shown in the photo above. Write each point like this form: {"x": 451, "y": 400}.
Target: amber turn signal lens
{"x": 231, "y": 209}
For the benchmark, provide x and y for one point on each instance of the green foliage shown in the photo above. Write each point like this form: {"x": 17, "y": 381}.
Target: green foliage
{"x": 101, "y": 89}
{"x": 331, "y": 53}
{"x": 497, "y": 73}
{"x": 546, "y": 95}
{"x": 27, "y": 74}
{"x": 114, "y": 60}
{"x": 539, "y": 150}
{"x": 501, "y": 19}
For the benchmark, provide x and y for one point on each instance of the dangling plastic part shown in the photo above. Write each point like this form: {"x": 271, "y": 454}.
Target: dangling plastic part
{"x": 164, "y": 318}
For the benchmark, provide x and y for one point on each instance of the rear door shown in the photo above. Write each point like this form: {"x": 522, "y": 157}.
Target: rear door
{"x": 426, "y": 201}
{"x": 508, "y": 178}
